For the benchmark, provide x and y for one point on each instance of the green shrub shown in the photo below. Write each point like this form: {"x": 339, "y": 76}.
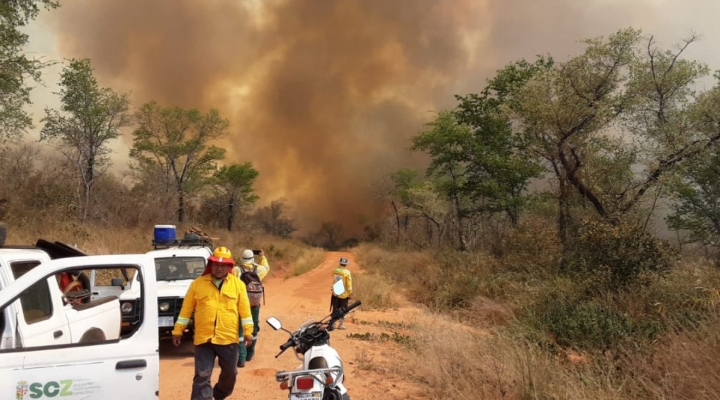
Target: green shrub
{"x": 458, "y": 291}
{"x": 531, "y": 249}
{"x": 442, "y": 279}
{"x": 618, "y": 253}
{"x": 567, "y": 314}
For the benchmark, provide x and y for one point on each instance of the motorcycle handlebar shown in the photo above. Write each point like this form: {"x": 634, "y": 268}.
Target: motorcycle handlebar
{"x": 354, "y": 305}
{"x": 286, "y": 345}
{"x": 342, "y": 312}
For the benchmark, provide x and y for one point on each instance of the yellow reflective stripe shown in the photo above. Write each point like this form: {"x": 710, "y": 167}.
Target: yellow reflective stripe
{"x": 183, "y": 321}
{"x": 246, "y": 321}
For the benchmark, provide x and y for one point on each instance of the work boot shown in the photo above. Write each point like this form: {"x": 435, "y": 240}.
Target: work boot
{"x": 250, "y": 351}
{"x": 241, "y": 364}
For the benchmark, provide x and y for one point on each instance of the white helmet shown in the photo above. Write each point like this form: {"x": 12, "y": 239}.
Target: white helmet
{"x": 248, "y": 255}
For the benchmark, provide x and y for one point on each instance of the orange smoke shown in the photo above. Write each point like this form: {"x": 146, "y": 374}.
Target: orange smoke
{"x": 323, "y": 95}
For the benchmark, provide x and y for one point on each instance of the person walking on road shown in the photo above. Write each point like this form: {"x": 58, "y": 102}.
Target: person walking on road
{"x": 220, "y": 303}
{"x": 255, "y": 273}
{"x": 339, "y": 301}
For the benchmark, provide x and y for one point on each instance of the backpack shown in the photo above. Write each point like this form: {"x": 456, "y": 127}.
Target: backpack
{"x": 254, "y": 286}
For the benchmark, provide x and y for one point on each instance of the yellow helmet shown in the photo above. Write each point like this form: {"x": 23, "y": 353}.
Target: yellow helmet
{"x": 222, "y": 255}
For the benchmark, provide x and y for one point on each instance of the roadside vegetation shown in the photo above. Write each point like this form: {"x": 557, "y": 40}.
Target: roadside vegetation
{"x": 553, "y": 337}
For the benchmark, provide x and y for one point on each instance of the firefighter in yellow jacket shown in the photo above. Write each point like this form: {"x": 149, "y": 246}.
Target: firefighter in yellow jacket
{"x": 342, "y": 273}
{"x": 248, "y": 264}
{"x": 220, "y": 303}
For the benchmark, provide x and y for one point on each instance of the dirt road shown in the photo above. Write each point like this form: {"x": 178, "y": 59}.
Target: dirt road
{"x": 294, "y": 301}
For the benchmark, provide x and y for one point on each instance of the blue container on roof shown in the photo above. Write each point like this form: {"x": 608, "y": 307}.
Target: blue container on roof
{"x": 164, "y": 233}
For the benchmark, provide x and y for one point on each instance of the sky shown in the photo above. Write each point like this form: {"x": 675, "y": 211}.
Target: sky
{"x": 323, "y": 96}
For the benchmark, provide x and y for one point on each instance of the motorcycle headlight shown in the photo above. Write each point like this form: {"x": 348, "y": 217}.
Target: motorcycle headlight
{"x": 164, "y": 306}
{"x": 126, "y": 308}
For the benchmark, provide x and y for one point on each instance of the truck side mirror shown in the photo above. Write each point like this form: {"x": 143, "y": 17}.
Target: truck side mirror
{"x": 117, "y": 282}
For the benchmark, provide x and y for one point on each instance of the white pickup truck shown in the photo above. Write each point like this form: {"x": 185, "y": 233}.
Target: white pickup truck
{"x": 176, "y": 267}
{"x": 177, "y": 264}
{"x": 54, "y": 346}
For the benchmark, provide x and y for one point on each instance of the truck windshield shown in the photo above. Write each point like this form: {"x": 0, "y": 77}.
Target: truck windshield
{"x": 179, "y": 268}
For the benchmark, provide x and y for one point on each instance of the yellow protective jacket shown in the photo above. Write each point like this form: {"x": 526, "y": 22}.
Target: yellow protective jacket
{"x": 218, "y": 313}
{"x": 262, "y": 269}
{"x": 343, "y": 273}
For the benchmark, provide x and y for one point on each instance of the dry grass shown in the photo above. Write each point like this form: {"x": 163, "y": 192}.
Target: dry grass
{"x": 101, "y": 240}
{"x": 307, "y": 260}
{"x": 686, "y": 367}
{"x": 456, "y": 362}
{"x": 459, "y": 362}
{"x": 90, "y": 239}
{"x": 375, "y": 291}
{"x": 486, "y": 356}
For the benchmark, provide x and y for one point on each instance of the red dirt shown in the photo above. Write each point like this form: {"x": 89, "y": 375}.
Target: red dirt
{"x": 294, "y": 301}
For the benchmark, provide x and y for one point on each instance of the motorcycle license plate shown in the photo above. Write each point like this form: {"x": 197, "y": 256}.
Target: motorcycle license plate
{"x": 165, "y": 321}
{"x": 305, "y": 396}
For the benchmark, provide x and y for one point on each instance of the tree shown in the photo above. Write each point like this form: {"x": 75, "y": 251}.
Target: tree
{"x": 274, "y": 220}
{"x": 16, "y": 67}
{"x": 394, "y": 189}
{"x": 620, "y": 100}
{"x": 91, "y": 117}
{"x": 476, "y": 156}
{"x": 498, "y": 168}
{"x": 697, "y": 207}
{"x": 235, "y": 182}
{"x": 433, "y": 206}
{"x": 444, "y": 141}
{"x": 332, "y": 233}
{"x": 175, "y": 142}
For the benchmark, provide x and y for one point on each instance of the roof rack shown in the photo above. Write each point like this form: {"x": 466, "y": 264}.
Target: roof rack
{"x": 164, "y": 244}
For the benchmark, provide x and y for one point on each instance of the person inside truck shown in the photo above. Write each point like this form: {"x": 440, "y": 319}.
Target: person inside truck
{"x": 71, "y": 282}
{"x": 163, "y": 272}
{"x": 180, "y": 272}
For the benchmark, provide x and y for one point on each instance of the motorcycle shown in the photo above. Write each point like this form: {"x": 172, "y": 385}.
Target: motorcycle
{"x": 321, "y": 375}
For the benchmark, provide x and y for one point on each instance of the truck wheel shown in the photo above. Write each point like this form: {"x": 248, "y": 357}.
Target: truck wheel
{"x": 93, "y": 335}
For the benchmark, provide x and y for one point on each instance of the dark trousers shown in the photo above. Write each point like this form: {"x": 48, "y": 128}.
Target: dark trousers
{"x": 205, "y": 361}
{"x": 249, "y": 352}
{"x": 336, "y": 303}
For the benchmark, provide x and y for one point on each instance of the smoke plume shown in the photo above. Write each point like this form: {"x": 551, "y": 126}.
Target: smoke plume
{"x": 323, "y": 95}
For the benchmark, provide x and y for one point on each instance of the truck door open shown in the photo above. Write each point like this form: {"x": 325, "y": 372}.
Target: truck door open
{"x": 103, "y": 369}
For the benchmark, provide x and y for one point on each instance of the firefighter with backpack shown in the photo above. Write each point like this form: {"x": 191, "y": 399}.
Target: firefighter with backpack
{"x": 252, "y": 274}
